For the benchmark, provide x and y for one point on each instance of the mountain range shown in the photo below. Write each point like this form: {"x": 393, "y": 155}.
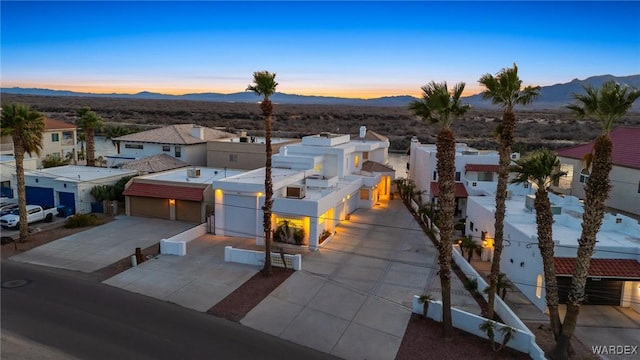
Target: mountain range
{"x": 551, "y": 97}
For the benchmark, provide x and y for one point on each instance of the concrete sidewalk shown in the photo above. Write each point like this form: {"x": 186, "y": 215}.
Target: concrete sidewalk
{"x": 353, "y": 297}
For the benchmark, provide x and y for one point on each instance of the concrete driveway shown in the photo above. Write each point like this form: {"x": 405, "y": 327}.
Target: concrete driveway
{"x": 95, "y": 248}
{"x": 353, "y": 297}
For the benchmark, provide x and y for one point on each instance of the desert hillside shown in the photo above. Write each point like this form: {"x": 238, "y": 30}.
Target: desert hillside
{"x": 553, "y": 129}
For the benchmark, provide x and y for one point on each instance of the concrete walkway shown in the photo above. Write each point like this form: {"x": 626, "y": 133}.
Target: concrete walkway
{"x": 95, "y": 248}
{"x": 353, "y": 297}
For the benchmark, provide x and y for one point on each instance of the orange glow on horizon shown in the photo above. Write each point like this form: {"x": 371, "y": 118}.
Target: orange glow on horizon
{"x": 134, "y": 89}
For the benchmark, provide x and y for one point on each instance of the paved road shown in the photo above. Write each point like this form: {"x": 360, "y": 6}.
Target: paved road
{"x": 75, "y": 315}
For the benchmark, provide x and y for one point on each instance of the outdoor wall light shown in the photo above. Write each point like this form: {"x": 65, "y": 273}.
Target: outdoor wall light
{"x": 172, "y": 201}
{"x": 522, "y": 264}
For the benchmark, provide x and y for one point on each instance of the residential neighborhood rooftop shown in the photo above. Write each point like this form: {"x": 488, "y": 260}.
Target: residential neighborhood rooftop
{"x": 207, "y": 175}
{"x": 626, "y": 151}
{"x": 177, "y": 134}
{"x": 53, "y": 124}
{"x": 74, "y": 173}
{"x": 153, "y": 164}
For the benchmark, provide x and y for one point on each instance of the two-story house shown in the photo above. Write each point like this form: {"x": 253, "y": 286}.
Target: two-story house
{"x": 58, "y": 141}
{"x": 624, "y": 175}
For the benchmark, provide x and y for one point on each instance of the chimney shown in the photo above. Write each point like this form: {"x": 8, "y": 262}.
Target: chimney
{"x": 197, "y": 131}
{"x": 363, "y": 131}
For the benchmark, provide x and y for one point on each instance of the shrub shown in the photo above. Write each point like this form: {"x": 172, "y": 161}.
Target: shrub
{"x": 82, "y": 220}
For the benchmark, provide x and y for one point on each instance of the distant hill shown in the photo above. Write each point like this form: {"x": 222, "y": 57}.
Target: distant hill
{"x": 551, "y": 97}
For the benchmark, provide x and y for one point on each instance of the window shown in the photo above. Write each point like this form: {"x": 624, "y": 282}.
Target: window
{"x": 539, "y": 286}
{"x": 178, "y": 152}
{"x": 435, "y": 175}
{"x": 166, "y": 148}
{"x": 471, "y": 225}
{"x": 525, "y": 185}
{"x": 457, "y": 175}
{"x": 68, "y": 138}
{"x": 233, "y": 157}
{"x": 134, "y": 146}
{"x": 365, "y": 155}
{"x": 584, "y": 175}
{"x": 356, "y": 161}
{"x": 55, "y": 137}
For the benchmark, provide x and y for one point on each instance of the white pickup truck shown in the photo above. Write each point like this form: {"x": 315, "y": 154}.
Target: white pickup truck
{"x": 34, "y": 213}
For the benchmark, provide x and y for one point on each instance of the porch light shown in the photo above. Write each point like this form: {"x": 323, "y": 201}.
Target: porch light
{"x": 172, "y": 202}
{"x": 484, "y": 243}
{"x": 259, "y": 194}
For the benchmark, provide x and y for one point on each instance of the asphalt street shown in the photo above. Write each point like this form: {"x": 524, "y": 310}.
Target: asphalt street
{"x": 74, "y": 314}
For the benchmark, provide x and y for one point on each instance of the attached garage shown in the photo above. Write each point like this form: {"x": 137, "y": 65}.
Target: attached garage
{"x": 68, "y": 200}
{"x": 189, "y": 211}
{"x": 171, "y": 202}
{"x": 149, "y": 207}
{"x": 40, "y": 196}
{"x": 240, "y": 215}
{"x": 598, "y": 291}
{"x": 605, "y": 282}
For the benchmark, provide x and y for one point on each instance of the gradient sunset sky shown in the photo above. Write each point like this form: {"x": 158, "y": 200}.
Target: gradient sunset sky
{"x": 351, "y": 49}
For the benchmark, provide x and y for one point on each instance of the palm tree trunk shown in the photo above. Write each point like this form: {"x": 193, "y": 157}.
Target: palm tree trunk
{"x": 446, "y": 154}
{"x": 18, "y": 148}
{"x": 91, "y": 147}
{"x": 596, "y": 193}
{"x": 544, "y": 220}
{"x": 267, "y": 109}
{"x": 506, "y": 140}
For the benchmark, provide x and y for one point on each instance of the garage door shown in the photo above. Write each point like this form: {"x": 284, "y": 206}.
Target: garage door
{"x": 39, "y": 196}
{"x": 599, "y": 292}
{"x": 68, "y": 199}
{"x": 240, "y": 215}
{"x": 149, "y": 207}
{"x": 189, "y": 211}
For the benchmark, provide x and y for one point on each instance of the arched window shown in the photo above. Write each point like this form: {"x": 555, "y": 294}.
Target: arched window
{"x": 584, "y": 175}
{"x": 539, "y": 286}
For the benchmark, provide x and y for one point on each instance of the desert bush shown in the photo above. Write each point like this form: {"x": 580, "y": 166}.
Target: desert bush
{"x": 82, "y": 220}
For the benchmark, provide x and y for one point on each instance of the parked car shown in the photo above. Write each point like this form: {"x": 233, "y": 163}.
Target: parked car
{"x": 6, "y": 208}
{"x": 34, "y": 213}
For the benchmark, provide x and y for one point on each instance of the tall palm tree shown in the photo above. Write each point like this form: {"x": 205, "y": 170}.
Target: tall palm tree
{"x": 438, "y": 105}
{"x": 89, "y": 121}
{"x": 608, "y": 105}
{"x": 25, "y": 127}
{"x": 264, "y": 84}
{"x": 504, "y": 89}
{"x": 542, "y": 168}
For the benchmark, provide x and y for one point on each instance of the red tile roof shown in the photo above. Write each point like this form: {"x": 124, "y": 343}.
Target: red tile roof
{"x": 482, "y": 167}
{"x": 459, "y": 190}
{"x": 626, "y": 151}
{"x": 611, "y": 268}
{"x": 165, "y": 191}
{"x": 51, "y": 124}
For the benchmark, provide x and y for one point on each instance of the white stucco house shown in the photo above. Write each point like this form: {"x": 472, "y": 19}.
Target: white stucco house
{"x": 317, "y": 183}
{"x": 185, "y": 142}
{"x": 614, "y": 274}
{"x": 69, "y": 185}
{"x": 476, "y": 172}
{"x": 624, "y": 175}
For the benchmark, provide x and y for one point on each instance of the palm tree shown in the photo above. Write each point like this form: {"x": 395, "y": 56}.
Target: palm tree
{"x": 439, "y": 105}
{"x": 264, "y": 84}
{"x": 114, "y": 132}
{"x": 25, "y": 127}
{"x": 504, "y": 89}
{"x": 89, "y": 121}
{"x": 542, "y": 168}
{"x": 81, "y": 140}
{"x": 608, "y": 105}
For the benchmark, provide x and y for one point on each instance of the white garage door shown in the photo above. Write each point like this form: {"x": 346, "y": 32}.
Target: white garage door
{"x": 240, "y": 215}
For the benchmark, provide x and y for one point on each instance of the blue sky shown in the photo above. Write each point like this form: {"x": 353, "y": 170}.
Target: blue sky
{"x": 352, "y": 49}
